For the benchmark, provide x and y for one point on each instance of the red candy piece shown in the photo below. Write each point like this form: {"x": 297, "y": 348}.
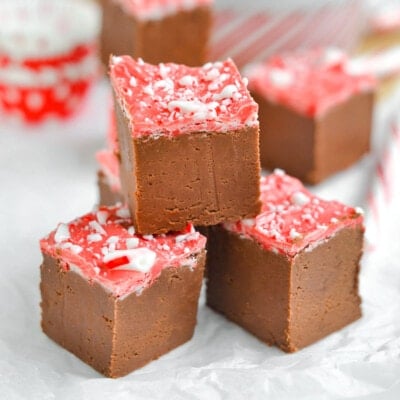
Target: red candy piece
{"x": 117, "y": 262}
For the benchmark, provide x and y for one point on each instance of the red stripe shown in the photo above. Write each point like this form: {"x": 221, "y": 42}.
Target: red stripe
{"x": 221, "y": 18}
{"x": 322, "y": 26}
{"x": 230, "y": 39}
{"x": 295, "y": 42}
{"x": 265, "y": 40}
{"x": 349, "y": 35}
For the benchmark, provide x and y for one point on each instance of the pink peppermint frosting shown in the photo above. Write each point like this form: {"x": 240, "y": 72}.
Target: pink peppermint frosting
{"x": 158, "y": 9}
{"x": 171, "y": 99}
{"x": 309, "y": 82}
{"x": 293, "y": 219}
{"x": 102, "y": 247}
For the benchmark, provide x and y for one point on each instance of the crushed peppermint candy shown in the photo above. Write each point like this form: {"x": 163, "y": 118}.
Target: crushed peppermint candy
{"x": 131, "y": 243}
{"x": 105, "y": 249}
{"x": 308, "y": 81}
{"x": 62, "y": 233}
{"x": 172, "y": 99}
{"x": 292, "y": 218}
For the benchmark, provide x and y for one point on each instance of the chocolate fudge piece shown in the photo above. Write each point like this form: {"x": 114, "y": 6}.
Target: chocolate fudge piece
{"x": 115, "y": 299}
{"x": 157, "y": 30}
{"x": 188, "y": 142}
{"x": 315, "y": 113}
{"x": 289, "y": 276}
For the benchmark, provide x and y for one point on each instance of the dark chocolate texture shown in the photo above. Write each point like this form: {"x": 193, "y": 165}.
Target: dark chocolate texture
{"x": 181, "y": 37}
{"x": 289, "y": 303}
{"x": 312, "y": 149}
{"x": 200, "y": 177}
{"x": 118, "y": 335}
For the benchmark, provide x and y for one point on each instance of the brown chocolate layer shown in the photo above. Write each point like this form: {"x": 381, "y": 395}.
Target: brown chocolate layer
{"x": 286, "y": 303}
{"x": 107, "y": 196}
{"x": 313, "y": 149}
{"x": 202, "y": 177}
{"x": 181, "y": 38}
{"x": 116, "y": 336}
{"x": 118, "y": 33}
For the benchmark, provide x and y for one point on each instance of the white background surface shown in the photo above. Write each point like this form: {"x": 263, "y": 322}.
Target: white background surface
{"x": 47, "y": 175}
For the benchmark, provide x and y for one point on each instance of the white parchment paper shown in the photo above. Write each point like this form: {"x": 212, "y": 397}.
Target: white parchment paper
{"x": 48, "y": 175}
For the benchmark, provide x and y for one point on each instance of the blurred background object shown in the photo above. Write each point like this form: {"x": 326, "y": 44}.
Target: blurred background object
{"x": 261, "y": 29}
{"x": 48, "y": 56}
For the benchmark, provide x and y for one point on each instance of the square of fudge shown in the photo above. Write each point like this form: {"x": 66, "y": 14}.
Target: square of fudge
{"x": 156, "y": 30}
{"x": 289, "y": 276}
{"x": 115, "y": 299}
{"x": 315, "y": 113}
{"x": 189, "y": 143}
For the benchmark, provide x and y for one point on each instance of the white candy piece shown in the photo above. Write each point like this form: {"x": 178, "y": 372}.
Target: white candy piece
{"x": 359, "y": 210}
{"x": 123, "y": 213}
{"x": 94, "y": 237}
{"x": 102, "y": 217}
{"x": 97, "y": 227}
{"x": 148, "y": 237}
{"x": 132, "y": 243}
{"x": 112, "y": 239}
{"x": 248, "y": 221}
{"x": 62, "y": 233}
{"x": 141, "y": 259}
{"x": 227, "y": 92}
{"x": 184, "y": 106}
{"x": 294, "y": 234}
{"x": 281, "y": 78}
{"x": 187, "y": 80}
{"x": 299, "y": 199}
{"x": 333, "y": 55}
{"x": 279, "y": 172}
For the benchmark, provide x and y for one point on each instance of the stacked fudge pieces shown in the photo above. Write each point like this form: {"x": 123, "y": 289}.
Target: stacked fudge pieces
{"x": 120, "y": 286}
{"x": 156, "y": 30}
{"x": 188, "y": 139}
{"x": 289, "y": 276}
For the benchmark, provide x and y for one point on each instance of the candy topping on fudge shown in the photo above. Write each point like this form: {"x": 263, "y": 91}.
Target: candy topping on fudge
{"x": 158, "y": 9}
{"x": 103, "y": 247}
{"x": 310, "y": 82}
{"x": 292, "y": 218}
{"x": 170, "y": 99}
